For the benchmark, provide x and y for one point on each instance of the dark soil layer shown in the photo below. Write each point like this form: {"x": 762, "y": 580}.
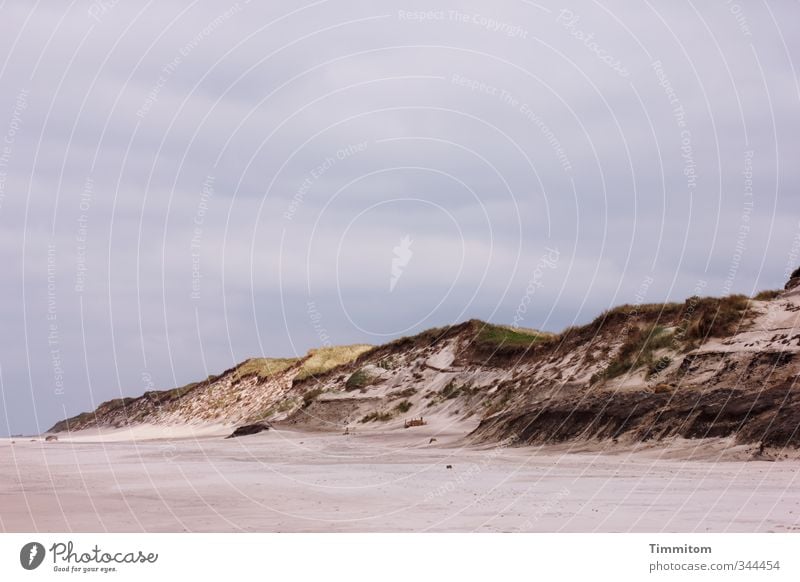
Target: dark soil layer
{"x": 770, "y": 417}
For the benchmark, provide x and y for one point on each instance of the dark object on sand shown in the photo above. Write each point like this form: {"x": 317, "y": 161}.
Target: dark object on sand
{"x": 449, "y": 466}
{"x": 433, "y": 440}
{"x": 249, "y": 429}
{"x": 50, "y": 438}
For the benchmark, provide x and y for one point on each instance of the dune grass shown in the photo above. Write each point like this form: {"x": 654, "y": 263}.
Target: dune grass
{"x": 403, "y": 407}
{"x": 379, "y": 415}
{"x": 359, "y": 380}
{"x": 500, "y": 335}
{"x": 767, "y": 295}
{"x": 324, "y": 359}
{"x": 638, "y": 350}
{"x": 713, "y": 316}
{"x": 263, "y": 367}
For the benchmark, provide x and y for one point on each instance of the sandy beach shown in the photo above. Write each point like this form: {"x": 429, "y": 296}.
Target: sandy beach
{"x": 377, "y": 481}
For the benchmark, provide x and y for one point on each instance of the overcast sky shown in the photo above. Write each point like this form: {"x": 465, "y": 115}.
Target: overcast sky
{"x": 184, "y": 185}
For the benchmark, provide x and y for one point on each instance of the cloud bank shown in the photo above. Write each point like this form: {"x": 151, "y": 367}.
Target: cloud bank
{"x": 184, "y": 185}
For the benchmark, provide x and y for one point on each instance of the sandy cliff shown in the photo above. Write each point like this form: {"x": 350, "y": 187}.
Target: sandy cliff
{"x": 703, "y": 368}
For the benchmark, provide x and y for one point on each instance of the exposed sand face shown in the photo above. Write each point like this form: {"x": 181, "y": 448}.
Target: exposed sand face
{"x": 382, "y": 481}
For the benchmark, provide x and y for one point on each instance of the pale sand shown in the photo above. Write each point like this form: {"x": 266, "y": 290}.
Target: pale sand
{"x": 381, "y": 481}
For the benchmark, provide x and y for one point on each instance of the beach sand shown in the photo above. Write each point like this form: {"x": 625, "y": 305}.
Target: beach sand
{"x": 191, "y": 479}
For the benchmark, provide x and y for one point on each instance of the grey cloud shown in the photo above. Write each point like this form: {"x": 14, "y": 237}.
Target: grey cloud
{"x": 146, "y": 108}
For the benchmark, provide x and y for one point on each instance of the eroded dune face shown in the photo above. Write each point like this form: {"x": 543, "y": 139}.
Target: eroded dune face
{"x": 703, "y": 368}
{"x": 741, "y": 384}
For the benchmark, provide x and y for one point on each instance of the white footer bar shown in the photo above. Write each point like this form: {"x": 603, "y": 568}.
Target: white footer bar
{"x": 387, "y": 557}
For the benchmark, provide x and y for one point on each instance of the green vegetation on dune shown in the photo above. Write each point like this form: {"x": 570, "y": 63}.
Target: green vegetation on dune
{"x": 324, "y": 359}
{"x": 691, "y": 323}
{"x": 638, "y": 350}
{"x": 318, "y": 361}
{"x": 500, "y": 335}
{"x": 359, "y": 379}
{"x": 697, "y": 318}
{"x": 403, "y": 407}
{"x": 263, "y": 367}
{"x": 661, "y": 311}
{"x": 709, "y": 317}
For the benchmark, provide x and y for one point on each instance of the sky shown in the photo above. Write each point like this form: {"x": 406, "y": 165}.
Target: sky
{"x": 184, "y": 185}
